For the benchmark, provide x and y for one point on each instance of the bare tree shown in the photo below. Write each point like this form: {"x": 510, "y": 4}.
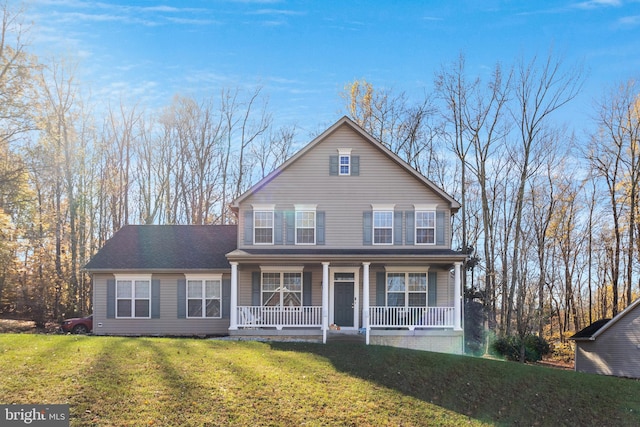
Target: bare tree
{"x": 243, "y": 126}
{"x": 273, "y": 149}
{"x": 540, "y": 88}
{"x": 615, "y": 158}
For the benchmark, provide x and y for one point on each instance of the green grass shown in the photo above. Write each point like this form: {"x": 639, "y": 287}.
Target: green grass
{"x": 115, "y": 381}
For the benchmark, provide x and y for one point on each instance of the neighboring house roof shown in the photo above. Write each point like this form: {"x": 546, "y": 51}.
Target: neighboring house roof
{"x": 166, "y": 247}
{"x": 345, "y": 121}
{"x": 599, "y": 327}
{"x": 587, "y": 333}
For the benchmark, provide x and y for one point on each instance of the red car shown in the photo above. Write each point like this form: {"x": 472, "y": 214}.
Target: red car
{"x": 78, "y": 325}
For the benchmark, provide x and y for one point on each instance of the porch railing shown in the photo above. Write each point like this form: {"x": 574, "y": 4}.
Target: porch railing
{"x": 279, "y": 317}
{"x": 412, "y": 317}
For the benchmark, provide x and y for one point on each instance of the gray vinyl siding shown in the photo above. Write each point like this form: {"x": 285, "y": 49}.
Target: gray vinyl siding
{"x": 345, "y": 198}
{"x": 615, "y": 352}
{"x": 168, "y": 323}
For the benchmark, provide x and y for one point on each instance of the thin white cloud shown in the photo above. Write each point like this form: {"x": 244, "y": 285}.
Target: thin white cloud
{"x": 192, "y": 21}
{"x": 284, "y": 12}
{"x": 595, "y": 4}
{"x": 630, "y": 21}
{"x": 257, "y": 1}
{"x": 75, "y": 11}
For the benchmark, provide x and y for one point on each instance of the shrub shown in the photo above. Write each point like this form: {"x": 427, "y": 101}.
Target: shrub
{"x": 511, "y": 347}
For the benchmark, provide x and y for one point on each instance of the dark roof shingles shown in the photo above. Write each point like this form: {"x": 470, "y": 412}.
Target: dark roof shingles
{"x": 590, "y": 330}
{"x": 166, "y": 247}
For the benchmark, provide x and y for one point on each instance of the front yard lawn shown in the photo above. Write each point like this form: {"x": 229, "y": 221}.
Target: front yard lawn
{"x": 116, "y": 381}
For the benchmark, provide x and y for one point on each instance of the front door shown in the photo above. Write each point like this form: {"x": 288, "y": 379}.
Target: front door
{"x": 343, "y": 304}
{"x": 344, "y": 298}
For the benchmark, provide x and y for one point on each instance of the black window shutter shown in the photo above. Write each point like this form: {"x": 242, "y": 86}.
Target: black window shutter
{"x": 320, "y": 228}
{"x": 397, "y": 228}
{"x": 333, "y": 165}
{"x": 411, "y": 227}
{"x": 255, "y": 288}
{"x": 290, "y": 226}
{"x": 182, "y": 299}
{"x": 111, "y": 299}
{"x": 432, "y": 289}
{"x": 355, "y": 165}
{"x": 367, "y": 228}
{"x": 381, "y": 288}
{"x": 277, "y": 227}
{"x": 155, "y": 299}
{"x": 226, "y": 298}
{"x": 248, "y": 227}
{"x": 306, "y": 288}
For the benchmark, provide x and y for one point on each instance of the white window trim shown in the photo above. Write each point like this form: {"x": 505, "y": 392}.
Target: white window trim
{"x": 415, "y": 227}
{"x": 281, "y": 271}
{"x": 264, "y": 208}
{"x": 133, "y": 278}
{"x": 202, "y": 278}
{"x": 407, "y": 292}
{"x": 305, "y": 208}
{"x": 409, "y": 269}
{"x": 381, "y": 209}
{"x": 425, "y": 207}
{"x": 344, "y": 152}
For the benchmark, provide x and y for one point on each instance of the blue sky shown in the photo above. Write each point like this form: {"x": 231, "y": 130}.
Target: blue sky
{"x": 303, "y": 52}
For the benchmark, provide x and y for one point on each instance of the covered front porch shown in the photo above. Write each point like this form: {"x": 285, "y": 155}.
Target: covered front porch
{"x": 372, "y": 320}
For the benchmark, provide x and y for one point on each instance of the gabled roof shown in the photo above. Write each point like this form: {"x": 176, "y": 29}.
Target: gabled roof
{"x": 593, "y": 331}
{"x": 166, "y": 247}
{"x": 346, "y": 121}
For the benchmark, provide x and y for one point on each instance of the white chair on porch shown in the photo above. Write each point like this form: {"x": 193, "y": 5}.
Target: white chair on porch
{"x": 247, "y": 318}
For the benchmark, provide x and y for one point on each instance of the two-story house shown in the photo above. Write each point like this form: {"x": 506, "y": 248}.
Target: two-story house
{"x": 345, "y": 234}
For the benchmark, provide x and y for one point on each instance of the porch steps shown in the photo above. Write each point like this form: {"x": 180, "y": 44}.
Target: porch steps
{"x": 345, "y": 336}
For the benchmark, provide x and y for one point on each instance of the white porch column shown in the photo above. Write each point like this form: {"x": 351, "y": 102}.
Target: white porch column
{"x": 325, "y": 301}
{"x": 457, "y": 297}
{"x": 365, "y": 299}
{"x": 233, "y": 306}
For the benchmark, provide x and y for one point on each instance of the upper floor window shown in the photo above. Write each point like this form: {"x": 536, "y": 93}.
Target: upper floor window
{"x": 204, "y": 297}
{"x": 263, "y": 226}
{"x": 305, "y": 226}
{"x": 383, "y": 227}
{"x": 133, "y": 297}
{"x": 425, "y": 227}
{"x": 345, "y": 165}
{"x": 344, "y": 161}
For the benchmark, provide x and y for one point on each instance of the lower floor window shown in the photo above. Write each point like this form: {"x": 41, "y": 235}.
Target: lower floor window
{"x": 204, "y": 298}
{"x": 282, "y": 289}
{"x": 133, "y": 298}
{"x": 407, "y": 289}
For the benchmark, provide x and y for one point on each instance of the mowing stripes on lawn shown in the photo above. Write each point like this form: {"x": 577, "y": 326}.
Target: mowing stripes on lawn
{"x": 181, "y": 382}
